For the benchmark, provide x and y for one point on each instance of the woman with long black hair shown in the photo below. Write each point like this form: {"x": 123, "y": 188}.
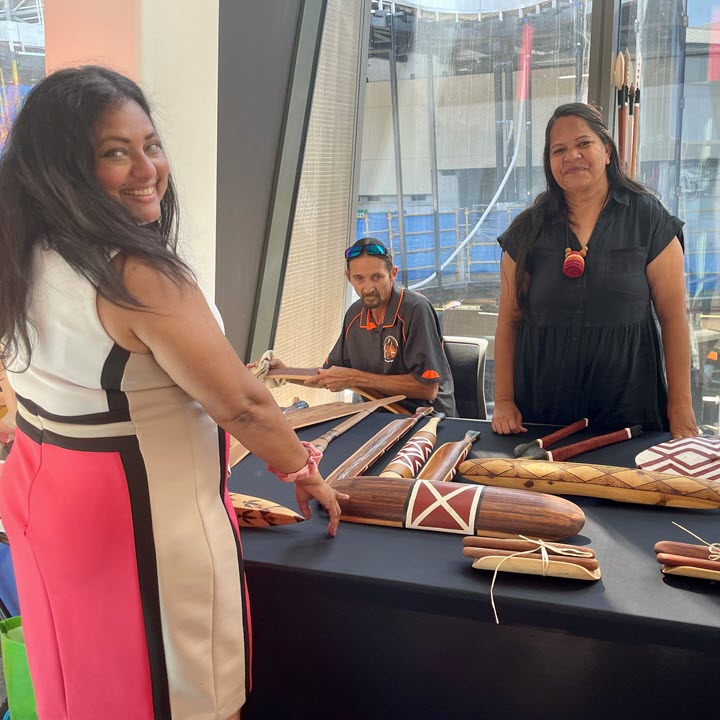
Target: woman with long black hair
{"x": 124, "y": 541}
{"x": 582, "y": 271}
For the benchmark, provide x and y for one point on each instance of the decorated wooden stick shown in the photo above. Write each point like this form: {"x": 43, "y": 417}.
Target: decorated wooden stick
{"x": 370, "y": 451}
{"x": 568, "y": 451}
{"x": 447, "y": 457}
{"x": 314, "y": 416}
{"x": 552, "y": 438}
{"x": 600, "y": 481}
{"x": 256, "y": 512}
{"x": 457, "y": 508}
{"x": 415, "y": 452}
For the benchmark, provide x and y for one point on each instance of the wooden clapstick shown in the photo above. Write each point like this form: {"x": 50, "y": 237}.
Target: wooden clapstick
{"x": 370, "y": 451}
{"x": 701, "y": 552}
{"x": 441, "y": 466}
{"x": 460, "y": 508}
{"x": 515, "y": 544}
{"x": 314, "y": 416}
{"x": 684, "y": 561}
{"x": 552, "y": 438}
{"x": 600, "y": 481}
{"x": 302, "y": 374}
{"x": 476, "y": 552}
{"x": 568, "y": 451}
{"x": 415, "y": 452}
{"x": 257, "y": 512}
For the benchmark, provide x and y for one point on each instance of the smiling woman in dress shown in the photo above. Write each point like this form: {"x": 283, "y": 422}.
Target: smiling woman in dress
{"x": 114, "y": 497}
{"x": 582, "y": 270}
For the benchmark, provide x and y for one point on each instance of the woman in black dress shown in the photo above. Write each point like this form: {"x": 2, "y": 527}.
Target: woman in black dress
{"x": 582, "y": 270}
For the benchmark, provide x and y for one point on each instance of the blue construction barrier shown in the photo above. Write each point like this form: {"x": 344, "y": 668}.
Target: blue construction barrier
{"x": 481, "y": 257}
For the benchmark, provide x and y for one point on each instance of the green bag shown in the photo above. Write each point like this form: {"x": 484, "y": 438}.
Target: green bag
{"x": 21, "y": 697}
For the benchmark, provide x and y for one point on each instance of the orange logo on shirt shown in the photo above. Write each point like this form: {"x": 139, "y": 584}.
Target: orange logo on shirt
{"x": 390, "y": 349}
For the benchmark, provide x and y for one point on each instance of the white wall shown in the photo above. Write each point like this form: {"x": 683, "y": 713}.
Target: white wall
{"x": 179, "y": 70}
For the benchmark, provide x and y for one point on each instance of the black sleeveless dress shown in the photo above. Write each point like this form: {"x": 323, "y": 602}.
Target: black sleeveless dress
{"x": 590, "y": 346}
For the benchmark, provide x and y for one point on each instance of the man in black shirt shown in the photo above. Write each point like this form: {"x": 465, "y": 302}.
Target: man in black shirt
{"x": 391, "y": 340}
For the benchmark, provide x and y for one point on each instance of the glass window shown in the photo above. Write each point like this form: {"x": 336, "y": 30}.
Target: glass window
{"x": 453, "y": 138}
{"x": 22, "y": 56}
{"x": 678, "y": 42}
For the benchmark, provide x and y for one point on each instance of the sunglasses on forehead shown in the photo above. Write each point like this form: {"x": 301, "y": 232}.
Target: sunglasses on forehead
{"x": 371, "y": 249}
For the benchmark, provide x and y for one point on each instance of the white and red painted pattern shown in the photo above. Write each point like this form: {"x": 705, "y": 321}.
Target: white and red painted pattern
{"x": 453, "y": 472}
{"x": 414, "y": 454}
{"x": 443, "y": 507}
{"x": 693, "y": 457}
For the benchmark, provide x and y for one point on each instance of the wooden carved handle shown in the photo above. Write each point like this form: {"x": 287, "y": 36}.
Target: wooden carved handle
{"x": 442, "y": 464}
{"x": 565, "y": 453}
{"x": 552, "y": 438}
{"x": 601, "y": 481}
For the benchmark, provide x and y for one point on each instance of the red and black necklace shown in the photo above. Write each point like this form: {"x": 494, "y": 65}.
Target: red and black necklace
{"x": 574, "y": 263}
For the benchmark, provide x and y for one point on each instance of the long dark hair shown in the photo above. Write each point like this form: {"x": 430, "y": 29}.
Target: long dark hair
{"x": 50, "y": 194}
{"x": 551, "y": 202}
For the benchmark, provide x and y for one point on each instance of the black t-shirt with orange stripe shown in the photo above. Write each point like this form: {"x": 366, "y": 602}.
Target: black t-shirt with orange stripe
{"x": 409, "y": 341}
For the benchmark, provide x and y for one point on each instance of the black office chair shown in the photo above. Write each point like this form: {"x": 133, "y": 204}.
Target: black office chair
{"x": 466, "y": 357}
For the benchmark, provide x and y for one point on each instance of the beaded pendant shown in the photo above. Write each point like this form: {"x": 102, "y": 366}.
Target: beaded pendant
{"x": 574, "y": 264}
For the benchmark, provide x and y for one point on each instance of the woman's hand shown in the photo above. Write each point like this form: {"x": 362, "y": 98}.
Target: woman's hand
{"x": 682, "y": 421}
{"x": 316, "y": 487}
{"x": 507, "y": 419}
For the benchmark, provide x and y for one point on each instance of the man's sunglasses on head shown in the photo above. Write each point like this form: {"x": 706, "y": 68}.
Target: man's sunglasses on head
{"x": 371, "y": 249}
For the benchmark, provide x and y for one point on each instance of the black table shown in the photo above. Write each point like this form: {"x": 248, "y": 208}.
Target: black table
{"x": 390, "y": 623}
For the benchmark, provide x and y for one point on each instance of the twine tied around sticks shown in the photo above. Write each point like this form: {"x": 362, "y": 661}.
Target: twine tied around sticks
{"x": 263, "y": 367}
{"x": 543, "y": 547}
{"x": 713, "y": 548}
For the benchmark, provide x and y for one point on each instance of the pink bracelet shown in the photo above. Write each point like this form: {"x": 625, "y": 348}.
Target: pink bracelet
{"x": 314, "y": 456}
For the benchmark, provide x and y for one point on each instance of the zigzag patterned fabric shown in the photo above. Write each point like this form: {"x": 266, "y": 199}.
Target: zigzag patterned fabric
{"x": 693, "y": 457}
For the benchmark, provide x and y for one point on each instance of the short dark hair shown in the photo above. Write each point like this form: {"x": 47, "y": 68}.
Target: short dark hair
{"x": 51, "y": 193}
{"x": 386, "y": 258}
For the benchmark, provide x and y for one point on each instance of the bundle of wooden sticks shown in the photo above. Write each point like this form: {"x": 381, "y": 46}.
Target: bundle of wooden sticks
{"x": 677, "y": 558}
{"x": 532, "y": 557}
